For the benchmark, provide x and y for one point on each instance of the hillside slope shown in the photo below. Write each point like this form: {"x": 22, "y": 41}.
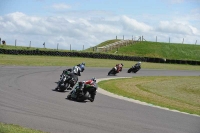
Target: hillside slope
{"x": 160, "y": 50}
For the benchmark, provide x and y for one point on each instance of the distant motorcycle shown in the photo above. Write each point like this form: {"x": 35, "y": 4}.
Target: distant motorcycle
{"x": 114, "y": 71}
{"x": 134, "y": 69}
{"x": 81, "y": 94}
{"x": 66, "y": 83}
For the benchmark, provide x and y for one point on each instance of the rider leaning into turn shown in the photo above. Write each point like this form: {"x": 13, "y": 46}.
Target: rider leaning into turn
{"x": 138, "y": 64}
{"x": 91, "y": 87}
{"x": 74, "y": 73}
{"x": 81, "y": 68}
{"x": 118, "y": 67}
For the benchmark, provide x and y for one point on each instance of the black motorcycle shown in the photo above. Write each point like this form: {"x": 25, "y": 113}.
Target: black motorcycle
{"x": 113, "y": 71}
{"x": 134, "y": 69}
{"x": 66, "y": 83}
{"x": 81, "y": 94}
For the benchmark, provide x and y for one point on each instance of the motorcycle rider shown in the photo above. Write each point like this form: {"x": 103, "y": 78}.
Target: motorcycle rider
{"x": 82, "y": 66}
{"x": 118, "y": 67}
{"x": 69, "y": 70}
{"x": 74, "y": 73}
{"x": 138, "y": 64}
{"x": 90, "y": 86}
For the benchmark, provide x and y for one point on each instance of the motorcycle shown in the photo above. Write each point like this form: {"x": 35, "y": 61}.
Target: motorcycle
{"x": 80, "y": 94}
{"x": 66, "y": 83}
{"x": 113, "y": 71}
{"x": 134, "y": 69}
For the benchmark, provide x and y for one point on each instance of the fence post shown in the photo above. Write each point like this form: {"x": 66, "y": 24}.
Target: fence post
{"x": 83, "y": 47}
{"x": 70, "y": 47}
{"x": 116, "y": 37}
{"x": 123, "y": 37}
{"x": 169, "y": 39}
{"x": 15, "y": 42}
{"x": 196, "y": 42}
{"x": 57, "y": 45}
{"x": 30, "y": 44}
{"x": 156, "y": 38}
{"x": 183, "y": 41}
{"x": 0, "y": 41}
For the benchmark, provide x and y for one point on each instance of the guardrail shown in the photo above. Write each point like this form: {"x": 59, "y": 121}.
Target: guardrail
{"x": 97, "y": 55}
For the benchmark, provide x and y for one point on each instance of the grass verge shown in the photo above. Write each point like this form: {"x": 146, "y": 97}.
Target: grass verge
{"x": 10, "y": 128}
{"x": 28, "y": 60}
{"x": 179, "y": 93}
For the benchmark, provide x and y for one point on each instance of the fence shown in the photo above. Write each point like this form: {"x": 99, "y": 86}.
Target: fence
{"x": 162, "y": 39}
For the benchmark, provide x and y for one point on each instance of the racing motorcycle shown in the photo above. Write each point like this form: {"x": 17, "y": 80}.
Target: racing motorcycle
{"x": 81, "y": 94}
{"x": 65, "y": 83}
{"x": 113, "y": 71}
{"x": 134, "y": 69}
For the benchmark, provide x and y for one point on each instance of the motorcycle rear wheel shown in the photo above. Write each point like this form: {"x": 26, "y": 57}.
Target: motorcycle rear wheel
{"x": 69, "y": 96}
{"x": 129, "y": 70}
{"x": 61, "y": 89}
{"x": 111, "y": 72}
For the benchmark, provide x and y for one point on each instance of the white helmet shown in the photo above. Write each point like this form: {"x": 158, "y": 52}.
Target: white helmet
{"x": 139, "y": 62}
{"x": 94, "y": 79}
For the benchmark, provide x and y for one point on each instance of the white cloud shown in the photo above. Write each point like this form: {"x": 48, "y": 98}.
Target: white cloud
{"x": 61, "y": 6}
{"x": 134, "y": 25}
{"x": 177, "y": 28}
{"x": 87, "y": 31}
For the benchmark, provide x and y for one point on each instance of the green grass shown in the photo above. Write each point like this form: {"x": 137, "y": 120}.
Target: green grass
{"x": 161, "y": 50}
{"x": 142, "y": 49}
{"x": 29, "y": 60}
{"x": 11, "y": 47}
{"x": 179, "y": 93}
{"x": 10, "y": 128}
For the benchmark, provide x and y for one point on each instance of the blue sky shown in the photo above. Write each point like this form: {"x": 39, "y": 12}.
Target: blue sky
{"x": 90, "y": 22}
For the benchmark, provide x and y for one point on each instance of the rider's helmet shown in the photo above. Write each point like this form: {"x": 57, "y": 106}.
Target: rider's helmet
{"x": 139, "y": 62}
{"x": 82, "y": 68}
{"x": 94, "y": 79}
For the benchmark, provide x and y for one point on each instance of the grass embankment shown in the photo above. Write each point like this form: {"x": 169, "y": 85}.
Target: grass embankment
{"x": 10, "y": 47}
{"x": 9, "y": 128}
{"x": 142, "y": 49}
{"x": 161, "y": 50}
{"x": 179, "y": 93}
{"x": 28, "y": 60}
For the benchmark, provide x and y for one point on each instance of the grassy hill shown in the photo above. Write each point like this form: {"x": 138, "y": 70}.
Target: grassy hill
{"x": 159, "y": 50}
{"x": 142, "y": 49}
{"x": 28, "y": 48}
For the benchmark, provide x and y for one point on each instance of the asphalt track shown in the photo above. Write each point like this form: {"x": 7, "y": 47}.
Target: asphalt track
{"x": 27, "y": 99}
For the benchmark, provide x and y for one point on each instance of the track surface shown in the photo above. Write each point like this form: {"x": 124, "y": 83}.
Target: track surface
{"x": 27, "y": 99}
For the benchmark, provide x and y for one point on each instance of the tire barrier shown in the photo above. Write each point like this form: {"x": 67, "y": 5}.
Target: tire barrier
{"x": 97, "y": 55}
